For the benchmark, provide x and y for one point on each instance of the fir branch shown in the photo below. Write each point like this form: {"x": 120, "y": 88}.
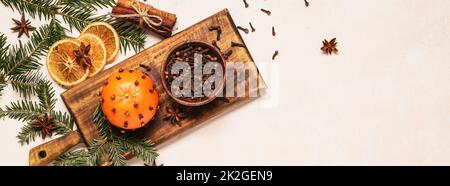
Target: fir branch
{"x": 3, "y": 49}
{"x": 25, "y": 57}
{"x": 97, "y": 150}
{"x": 27, "y": 134}
{"x": 26, "y": 84}
{"x": 28, "y": 111}
{"x": 97, "y": 4}
{"x": 39, "y": 8}
{"x": 3, "y": 57}
{"x": 103, "y": 126}
{"x": 76, "y": 16}
{"x": 58, "y": 28}
{"x": 21, "y": 59}
{"x": 76, "y": 158}
{"x": 116, "y": 153}
{"x": 131, "y": 37}
{"x": 46, "y": 95}
{"x": 140, "y": 147}
{"x": 3, "y": 83}
{"x": 63, "y": 121}
{"x": 22, "y": 111}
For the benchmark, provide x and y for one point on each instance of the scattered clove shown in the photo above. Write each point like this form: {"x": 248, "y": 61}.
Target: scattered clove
{"x": 273, "y": 31}
{"x": 268, "y": 12}
{"x": 306, "y": 3}
{"x": 243, "y": 29}
{"x": 275, "y": 55}
{"x": 251, "y": 26}
{"x": 246, "y": 4}
{"x": 217, "y": 29}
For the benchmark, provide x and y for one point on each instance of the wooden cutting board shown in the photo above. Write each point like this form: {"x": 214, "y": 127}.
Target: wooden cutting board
{"x": 82, "y": 100}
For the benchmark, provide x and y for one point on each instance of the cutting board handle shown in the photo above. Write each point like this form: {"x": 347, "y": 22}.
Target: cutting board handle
{"x": 46, "y": 153}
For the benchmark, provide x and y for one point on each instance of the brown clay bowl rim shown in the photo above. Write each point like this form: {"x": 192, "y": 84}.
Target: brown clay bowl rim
{"x": 218, "y": 89}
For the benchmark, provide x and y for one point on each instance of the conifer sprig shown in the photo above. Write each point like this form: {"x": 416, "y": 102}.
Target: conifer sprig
{"x": 29, "y": 111}
{"x": 3, "y": 82}
{"x": 75, "y": 158}
{"x": 64, "y": 122}
{"x": 23, "y": 58}
{"x": 114, "y": 145}
{"x": 27, "y": 134}
{"x": 26, "y": 84}
{"x": 96, "y": 4}
{"x": 19, "y": 65}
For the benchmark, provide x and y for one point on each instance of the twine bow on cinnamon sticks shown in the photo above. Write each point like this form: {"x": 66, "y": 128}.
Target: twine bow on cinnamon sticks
{"x": 143, "y": 16}
{"x": 146, "y": 16}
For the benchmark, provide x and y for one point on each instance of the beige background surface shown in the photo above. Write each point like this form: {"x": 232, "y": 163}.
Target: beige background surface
{"x": 384, "y": 100}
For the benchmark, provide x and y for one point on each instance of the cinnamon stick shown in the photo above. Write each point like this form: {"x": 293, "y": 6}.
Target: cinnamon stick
{"x": 124, "y": 7}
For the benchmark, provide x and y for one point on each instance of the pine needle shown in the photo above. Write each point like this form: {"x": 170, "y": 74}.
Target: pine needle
{"x": 116, "y": 154}
{"x": 27, "y": 134}
{"x": 97, "y": 150}
{"x": 3, "y": 48}
{"x": 63, "y": 121}
{"x": 141, "y": 148}
{"x": 27, "y": 83}
{"x": 22, "y": 111}
{"x": 76, "y": 158}
{"x": 3, "y": 82}
{"x": 76, "y": 15}
{"x": 103, "y": 126}
{"x": 46, "y": 96}
{"x": 96, "y": 4}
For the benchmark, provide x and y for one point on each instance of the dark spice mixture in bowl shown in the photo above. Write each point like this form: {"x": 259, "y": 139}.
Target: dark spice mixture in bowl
{"x": 185, "y": 52}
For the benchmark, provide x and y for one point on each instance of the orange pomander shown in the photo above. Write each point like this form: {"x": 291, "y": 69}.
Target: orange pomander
{"x": 130, "y": 99}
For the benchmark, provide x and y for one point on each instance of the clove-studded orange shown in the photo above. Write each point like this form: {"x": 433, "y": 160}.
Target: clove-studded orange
{"x": 130, "y": 99}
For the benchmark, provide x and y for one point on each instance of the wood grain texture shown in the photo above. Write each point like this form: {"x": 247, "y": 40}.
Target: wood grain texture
{"x": 47, "y": 152}
{"x": 83, "y": 99}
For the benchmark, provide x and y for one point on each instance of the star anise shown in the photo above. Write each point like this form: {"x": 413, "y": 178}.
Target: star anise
{"x": 82, "y": 55}
{"x": 174, "y": 115}
{"x": 23, "y": 26}
{"x": 329, "y": 47}
{"x": 45, "y": 125}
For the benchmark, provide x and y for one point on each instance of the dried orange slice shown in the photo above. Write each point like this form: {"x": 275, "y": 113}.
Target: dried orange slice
{"x": 62, "y": 65}
{"x": 108, "y": 35}
{"x": 97, "y": 53}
